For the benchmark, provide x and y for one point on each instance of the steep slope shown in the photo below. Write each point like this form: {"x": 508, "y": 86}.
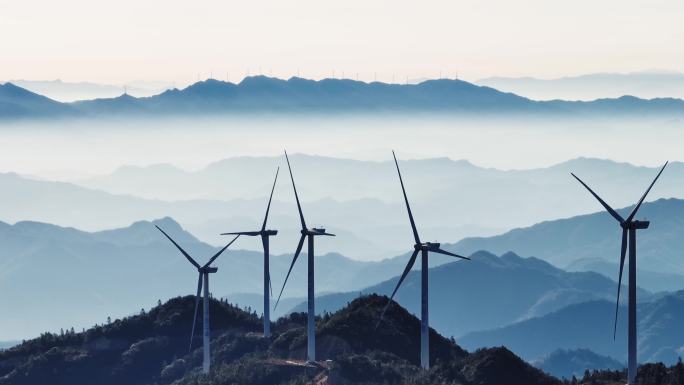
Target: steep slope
{"x": 509, "y": 289}
{"x": 17, "y": 102}
{"x": 589, "y": 325}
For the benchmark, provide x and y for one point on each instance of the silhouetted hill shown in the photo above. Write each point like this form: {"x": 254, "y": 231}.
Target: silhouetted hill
{"x": 152, "y": 348}
{"x": 589, "y": 325}
{"x": 297, "y": 95}
{"x": 567, "y": 363}
{"x": 509, "y": 289}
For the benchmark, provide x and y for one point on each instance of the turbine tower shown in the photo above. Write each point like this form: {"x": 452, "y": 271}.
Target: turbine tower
{"x": 629, "y": 228}
{"x": 265, "y": 234}
{"x": 202, "y": 282}
{"x": 424, "y": 248}
{"x": 309, "y": 234}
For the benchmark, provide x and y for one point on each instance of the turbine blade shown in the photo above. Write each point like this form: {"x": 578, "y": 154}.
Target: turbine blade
{"x": 408, "y": 208}
{"x": 263, "y": 227}
{"x": 294, "y": 259}
{"x": 407, "y": 269}
{"x": 247, "y": 233}
{"x": 299, "y": 206}
{"x": 189, "y": 258}
{"x": 623, "y": 251}
{"x": 603, "y": 203}
{"x": 194, "y": 314}
{"x": 221, "y": 251}
{"x": 440, "y": 251}
{"x": 636, "y": 208}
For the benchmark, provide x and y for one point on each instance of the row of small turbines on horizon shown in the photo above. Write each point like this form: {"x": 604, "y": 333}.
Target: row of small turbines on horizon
{"x": 629, "y": 227}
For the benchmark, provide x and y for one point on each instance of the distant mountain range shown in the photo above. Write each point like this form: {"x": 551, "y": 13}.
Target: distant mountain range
{"x": 64, "y": 91}
{"x": 44, "y": 267}
{"x": 487, "y": 292}
{"x": 596, "y": 236}
{"x": 371, "y": 204}
{"x": 296, "y": 95}
{"x": 593, "y": 86}
{"x": 470, "y": 200}
{"x": 589, "y": 325}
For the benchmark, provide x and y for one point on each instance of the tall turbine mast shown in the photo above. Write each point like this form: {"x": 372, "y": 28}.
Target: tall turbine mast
{"x": 424, "y": 248}
{"x": 629, "y": 227}
{"x": 309, "y": 234}
{"x": 202, "y": 282}
{"x": 265, "y": 235}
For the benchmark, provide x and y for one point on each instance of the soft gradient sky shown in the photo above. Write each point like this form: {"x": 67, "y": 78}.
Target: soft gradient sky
{"x": 126, "y": 40}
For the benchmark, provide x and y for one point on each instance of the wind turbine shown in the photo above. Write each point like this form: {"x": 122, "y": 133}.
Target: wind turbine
{"x": 264, "y": 234}
{"x": 309, "y": 234}
{"x": 629, "y": 228}
{"x": 424, "y": 248}
{"x": 202, "y": 281}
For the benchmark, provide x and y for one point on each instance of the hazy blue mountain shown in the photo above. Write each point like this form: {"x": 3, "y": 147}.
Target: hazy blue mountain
{"x": 44, "y": 267}
{"x": 260, "y": 94}
{"x": 486, "y": 292}
{"x": 597, "y": 235}
{"x": 651, "y": 280}
{"x": 470, "y": 200}
{"x": 563, "y": 363}
{"x": 66, "y": 204}
{"x": 589, "y": 325}
{"x": 593, "y": 86}
{"x": 17, "y": 102}
{"x": 64, "y": 91}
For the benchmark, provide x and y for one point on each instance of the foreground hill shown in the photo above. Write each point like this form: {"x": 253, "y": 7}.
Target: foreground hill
{"x": 260, "y": 94}
{"x": 152, "y": 348}
{"x": 487, "y": 292}
{"x": 589, "y": 325}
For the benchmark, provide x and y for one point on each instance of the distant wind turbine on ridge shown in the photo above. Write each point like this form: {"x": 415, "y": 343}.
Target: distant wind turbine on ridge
{"x": 265, "y": 234}
{"x": 309, "y": 234}
{"x": 424, "y": 248}
{"x": 202, "y": 282}
{"x": 629, "y": 228}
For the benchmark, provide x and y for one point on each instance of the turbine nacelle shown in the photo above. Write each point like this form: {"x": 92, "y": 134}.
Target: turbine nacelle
{"x": 207, "y": 270}
{"x": 636, "y": 225}
{"x": 429, "y": 246}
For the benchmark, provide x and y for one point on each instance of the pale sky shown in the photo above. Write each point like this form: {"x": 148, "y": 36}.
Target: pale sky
{"x": 128, "y": 40}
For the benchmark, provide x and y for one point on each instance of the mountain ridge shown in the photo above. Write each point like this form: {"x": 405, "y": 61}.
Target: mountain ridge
{"x": 297, "y": 95}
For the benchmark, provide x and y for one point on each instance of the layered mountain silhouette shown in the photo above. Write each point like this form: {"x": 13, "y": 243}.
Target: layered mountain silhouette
{"x": 356, "y": 198}
{"x": 597, "y": 235}
{"x": 116, "y": 271}
{"x": 152, "y": 348}
{"x": 651, "y": 84}
{"x": 589, "y": 325}
{"x": 297, "y": 95}
{"x": 17, "y": 102}
{"x": 486, "y": 292}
